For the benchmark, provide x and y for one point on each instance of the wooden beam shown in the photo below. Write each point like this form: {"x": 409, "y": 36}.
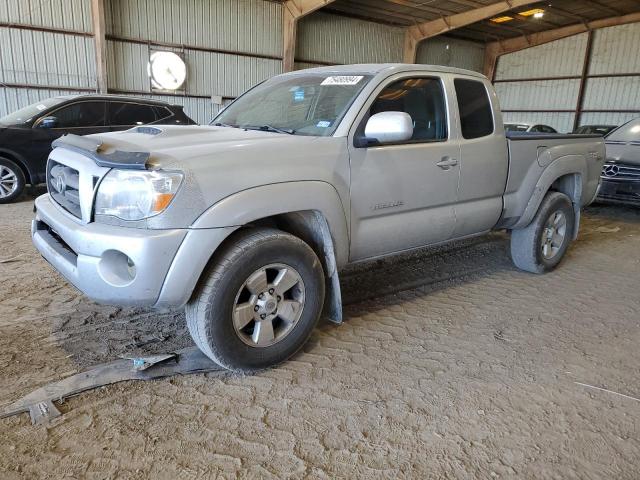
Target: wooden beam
{"x": 496, "y": 49}
{"x": 416, "y": 33}
{"x": 294, "y": 10}
{"x": 100, "y": 42}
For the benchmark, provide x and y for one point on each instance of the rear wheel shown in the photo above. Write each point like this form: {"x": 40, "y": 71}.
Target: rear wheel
{"x": 259, "y": 301}
{"x": 540, "y": 247}
{"x": 12, "y": 180}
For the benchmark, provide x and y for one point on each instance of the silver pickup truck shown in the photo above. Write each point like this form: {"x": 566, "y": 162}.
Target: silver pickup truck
{"x": 248, "y": 221}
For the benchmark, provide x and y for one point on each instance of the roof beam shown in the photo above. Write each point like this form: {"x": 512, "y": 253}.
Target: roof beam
{"x": 293, "y": 11}
{"x": 494, "y": 50}
{"x": 421, "y": 31}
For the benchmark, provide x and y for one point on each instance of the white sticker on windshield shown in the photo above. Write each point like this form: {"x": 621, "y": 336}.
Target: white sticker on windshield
{"x": 323, "y": 124}
{"x": 342, "y": 80}
{"x": 41, "y": 107}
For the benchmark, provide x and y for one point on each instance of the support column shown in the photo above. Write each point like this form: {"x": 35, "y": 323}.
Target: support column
{"x": 294, "y": 10}
{"x": 583, "y": 80}
{"x": 99, "y": 36}
{"x": 289, "y": 28}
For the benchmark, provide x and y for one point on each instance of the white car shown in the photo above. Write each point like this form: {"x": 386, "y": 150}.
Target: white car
{"x": 529, "y": 128}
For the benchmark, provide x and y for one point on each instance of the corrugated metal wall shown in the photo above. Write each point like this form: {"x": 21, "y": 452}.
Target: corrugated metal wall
{"x": 451, "y": 52}
{"x": 529, "y": 88}
{"x": 228, "y": 46}
{"x": 36, "y": 64}
{"x": 332, "y": 39}
{"x": 60, "y": 14}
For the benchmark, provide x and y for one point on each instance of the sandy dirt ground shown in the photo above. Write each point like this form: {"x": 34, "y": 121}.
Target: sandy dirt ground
{"x": 450, "y": 364}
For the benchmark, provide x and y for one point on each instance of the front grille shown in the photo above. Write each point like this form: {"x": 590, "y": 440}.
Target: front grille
{"x": 63, "y": 183}
{"x": 620, "y": 171}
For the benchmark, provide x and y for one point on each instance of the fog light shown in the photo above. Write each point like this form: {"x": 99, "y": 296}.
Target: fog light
{"x": 116, "y": 268}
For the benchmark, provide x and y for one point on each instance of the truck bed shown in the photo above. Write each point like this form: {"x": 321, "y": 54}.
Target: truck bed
{"x": 531, "y": 154}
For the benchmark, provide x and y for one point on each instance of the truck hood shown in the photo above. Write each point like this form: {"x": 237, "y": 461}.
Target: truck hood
{"x": 190, "y": 145}
{"x": 218, "y": 162}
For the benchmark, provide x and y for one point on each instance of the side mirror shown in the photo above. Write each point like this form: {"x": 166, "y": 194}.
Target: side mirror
{"x": 389, "y": 127}
{"x": 48, "y": 122}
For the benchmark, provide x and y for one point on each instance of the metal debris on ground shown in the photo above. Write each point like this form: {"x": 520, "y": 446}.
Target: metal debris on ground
{"x": 41, "y": 408}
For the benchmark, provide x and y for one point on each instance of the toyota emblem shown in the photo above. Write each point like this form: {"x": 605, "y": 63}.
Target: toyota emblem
{"x": 61, "y": 185}
{"x": 611, "y": 170}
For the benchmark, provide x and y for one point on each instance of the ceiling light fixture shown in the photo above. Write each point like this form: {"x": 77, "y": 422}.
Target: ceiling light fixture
{"x": 503, "y": 19}
{"x": 535, "y": 12}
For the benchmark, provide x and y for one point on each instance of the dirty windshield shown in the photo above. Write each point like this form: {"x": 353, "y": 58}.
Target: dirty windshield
{"x": 311, "y": 104}
{"x": 27, "y": 114}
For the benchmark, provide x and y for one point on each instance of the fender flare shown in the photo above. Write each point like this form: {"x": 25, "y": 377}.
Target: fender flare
{"x": 279, "y": 198}
{"x": 566, "y": 165}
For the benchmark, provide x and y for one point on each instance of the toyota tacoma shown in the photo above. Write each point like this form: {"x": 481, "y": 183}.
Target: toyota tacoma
{"x": 247, "y": 222}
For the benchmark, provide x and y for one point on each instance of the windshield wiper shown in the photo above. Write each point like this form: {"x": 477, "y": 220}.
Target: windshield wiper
{"x": 270, "y": 128}
{"x": 220, "y": 124}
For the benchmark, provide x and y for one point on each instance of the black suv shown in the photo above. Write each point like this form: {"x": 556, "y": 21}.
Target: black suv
{"x": 26, "y": 135}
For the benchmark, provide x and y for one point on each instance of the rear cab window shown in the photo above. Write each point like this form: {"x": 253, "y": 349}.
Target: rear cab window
{"x": 474, "y": 106}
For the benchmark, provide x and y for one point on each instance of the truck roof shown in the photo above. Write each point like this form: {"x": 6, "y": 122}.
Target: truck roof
{"x": 377, "y": 68}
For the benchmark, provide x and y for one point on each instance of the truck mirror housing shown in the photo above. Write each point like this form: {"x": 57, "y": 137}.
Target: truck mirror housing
{"x": 389, "y": 127}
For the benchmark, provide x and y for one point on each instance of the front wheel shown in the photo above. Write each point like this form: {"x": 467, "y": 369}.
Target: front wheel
{"x": 12, "y": 180}
{"x": 259, "y": 302}
{"x": 540, "y": 247}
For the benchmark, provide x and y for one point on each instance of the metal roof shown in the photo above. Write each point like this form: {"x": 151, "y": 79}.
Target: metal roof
{"x": 557, "y": 13}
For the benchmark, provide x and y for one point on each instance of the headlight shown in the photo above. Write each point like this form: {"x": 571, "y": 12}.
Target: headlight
{"x": 135, "y": 195}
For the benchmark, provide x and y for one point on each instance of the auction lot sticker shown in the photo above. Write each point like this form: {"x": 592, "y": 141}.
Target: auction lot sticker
{"x": 342, "y": 80}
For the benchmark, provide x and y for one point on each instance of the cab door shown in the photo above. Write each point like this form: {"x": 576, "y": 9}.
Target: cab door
{"x": 403, "y": 195}
{"x": 484, "y": 158}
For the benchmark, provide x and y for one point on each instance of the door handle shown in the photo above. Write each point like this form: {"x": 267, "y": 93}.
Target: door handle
{"x": 447, "y": 162}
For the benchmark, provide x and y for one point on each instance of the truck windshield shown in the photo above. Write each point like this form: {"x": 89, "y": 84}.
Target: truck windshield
{"x": 27, "y": 114}
{"x": 629, "y": 132}
{"x": 303, "y": 104}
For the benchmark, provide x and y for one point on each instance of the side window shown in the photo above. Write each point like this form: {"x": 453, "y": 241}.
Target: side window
{"x": 125, "y": 114}
{"x": 476, "y": 117}
{"x": 81, "y": 114}
{"x": 423, "y": 99}
{"x": 537, "y": 129}
{"x": 162, "y": 113}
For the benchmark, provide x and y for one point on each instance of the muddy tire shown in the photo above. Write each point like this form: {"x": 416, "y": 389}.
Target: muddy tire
{"x": 540, "y": 247}
{"x": 258, "y": 302}
{"x": 12, "y": 181}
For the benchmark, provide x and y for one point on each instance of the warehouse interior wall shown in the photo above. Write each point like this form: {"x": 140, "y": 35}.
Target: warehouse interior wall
{"x": 451, "y": 52}
{"x": 231, "y": 45}
{"x": 543, "y": 84}
{"x": 228, "y": 47}
{"x": 47, "y": 50}
{"x": 330, "y": 39}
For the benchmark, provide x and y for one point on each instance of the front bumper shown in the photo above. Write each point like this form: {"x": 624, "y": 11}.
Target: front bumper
{"x": 114, "y": 265}
{"x": 619, "y": 191}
